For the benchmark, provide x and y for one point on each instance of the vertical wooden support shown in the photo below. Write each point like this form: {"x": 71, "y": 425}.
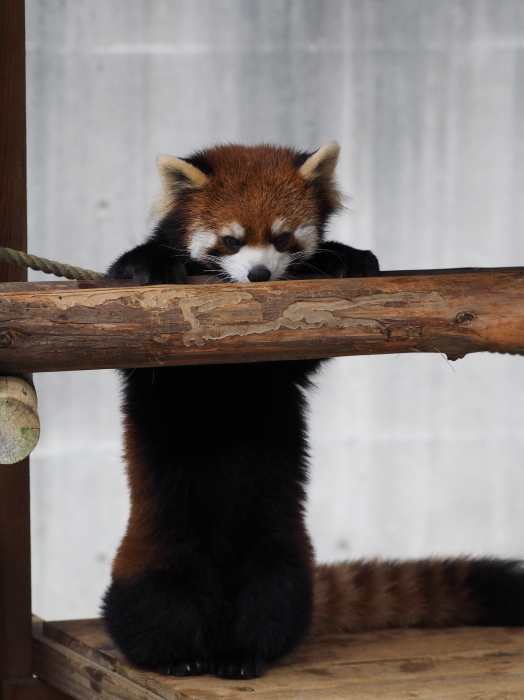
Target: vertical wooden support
{"x": 13, "y": 202}
{"x": 15, "y": 562}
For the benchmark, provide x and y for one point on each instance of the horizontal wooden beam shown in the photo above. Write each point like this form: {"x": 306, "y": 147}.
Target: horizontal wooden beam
{"x": 87, "y": 327}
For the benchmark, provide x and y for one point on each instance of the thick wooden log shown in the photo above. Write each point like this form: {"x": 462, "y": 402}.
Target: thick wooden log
{"x": 19, "y": 422}
{"x": 454, "y": 314}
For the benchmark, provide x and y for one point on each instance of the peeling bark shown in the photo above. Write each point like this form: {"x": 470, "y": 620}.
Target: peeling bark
{"x": 70, "y": 327}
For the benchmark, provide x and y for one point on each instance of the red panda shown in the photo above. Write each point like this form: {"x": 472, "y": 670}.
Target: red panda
{"x": 216, "y": 573}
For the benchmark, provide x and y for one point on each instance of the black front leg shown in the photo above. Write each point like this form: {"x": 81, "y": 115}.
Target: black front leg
{"x": 339, "y": 260}
{"x": 149, "y": 263}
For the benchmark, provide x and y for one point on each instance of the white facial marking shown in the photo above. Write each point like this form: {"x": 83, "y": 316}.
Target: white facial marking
{"x": 201, "y": 242}
{"x": 307, "y": 235}
{"x": 239, "y": 265}
{"x": 234, "y": 229}
{"x": 278, "y": 225}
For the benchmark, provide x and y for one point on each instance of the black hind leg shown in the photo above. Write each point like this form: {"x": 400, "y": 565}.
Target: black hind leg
{"x": 270, "y": 616}
{"x": 160, "y": 624}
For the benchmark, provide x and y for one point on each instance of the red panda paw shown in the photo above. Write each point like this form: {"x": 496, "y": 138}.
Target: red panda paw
{"x": 339, "y": 260}
{"x": 238, "y": 665}
{"x": 149, "y": 264}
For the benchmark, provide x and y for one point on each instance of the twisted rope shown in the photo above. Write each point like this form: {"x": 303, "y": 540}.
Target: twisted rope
{"x": 51, "y": 267}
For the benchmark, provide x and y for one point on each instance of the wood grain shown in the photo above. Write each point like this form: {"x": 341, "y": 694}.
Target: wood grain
{"x": 462, "y": 663}
{"x": 453, "y": 314}
{"x": 19, "y": 421}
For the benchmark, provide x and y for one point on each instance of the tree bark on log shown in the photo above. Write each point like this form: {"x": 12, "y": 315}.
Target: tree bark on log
{"x": 95, "y": 328}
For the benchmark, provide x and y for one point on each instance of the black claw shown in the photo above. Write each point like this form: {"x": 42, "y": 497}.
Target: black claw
{"x": 164, "y": 670}
{"x": 238, "y": 666}
{"x": 184, "y": 667}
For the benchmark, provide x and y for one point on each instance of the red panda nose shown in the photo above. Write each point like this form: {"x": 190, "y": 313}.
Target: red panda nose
{"x": 259, "y": 273}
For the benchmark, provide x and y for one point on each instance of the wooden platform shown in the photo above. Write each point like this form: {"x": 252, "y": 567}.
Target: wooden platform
{"x": 78, "y": 658}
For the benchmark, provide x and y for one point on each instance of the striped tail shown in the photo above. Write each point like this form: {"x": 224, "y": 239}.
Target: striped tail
{"x": 373, "y": 594}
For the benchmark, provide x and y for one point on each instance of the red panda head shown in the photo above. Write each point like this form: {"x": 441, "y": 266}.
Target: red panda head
{"x": 250, "y": 212}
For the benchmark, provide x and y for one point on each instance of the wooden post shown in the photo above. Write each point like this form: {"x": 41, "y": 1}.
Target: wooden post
{"x": 15, "y": 561}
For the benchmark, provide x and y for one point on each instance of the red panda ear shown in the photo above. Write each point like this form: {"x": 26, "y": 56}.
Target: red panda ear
{"x": 320, "y": 166}
{"x": 176, "y": 175}
{"x": 322, "y": 163}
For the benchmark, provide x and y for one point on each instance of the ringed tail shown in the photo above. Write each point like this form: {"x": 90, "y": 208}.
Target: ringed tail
{"x": 374, "y": 594}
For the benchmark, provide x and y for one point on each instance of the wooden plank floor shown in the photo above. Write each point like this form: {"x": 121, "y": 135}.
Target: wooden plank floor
{"x": 77, "y": 657}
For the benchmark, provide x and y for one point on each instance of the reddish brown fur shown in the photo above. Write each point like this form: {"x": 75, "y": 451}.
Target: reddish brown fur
{"x": 351, "y": 596}
{"x": 139, "y": 550}
{"x": 265, "y": 179}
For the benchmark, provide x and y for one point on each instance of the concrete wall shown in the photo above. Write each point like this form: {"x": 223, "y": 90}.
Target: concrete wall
{"x": 412, "y": 455}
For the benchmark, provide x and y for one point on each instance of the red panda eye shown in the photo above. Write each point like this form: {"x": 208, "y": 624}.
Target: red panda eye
{"x": 281, "y": 241}
{"x": 232, "y": 244}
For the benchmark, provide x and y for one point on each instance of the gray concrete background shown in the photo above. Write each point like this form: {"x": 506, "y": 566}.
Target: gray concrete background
{"x": 411, "y": 455}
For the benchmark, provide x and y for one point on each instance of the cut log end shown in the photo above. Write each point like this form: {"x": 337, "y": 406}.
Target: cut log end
{"x": 19, "y": 422}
